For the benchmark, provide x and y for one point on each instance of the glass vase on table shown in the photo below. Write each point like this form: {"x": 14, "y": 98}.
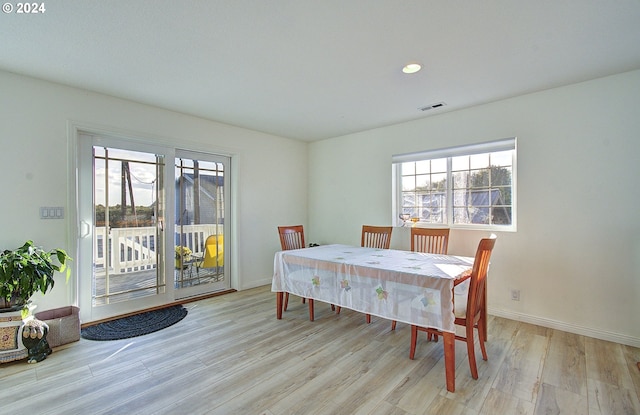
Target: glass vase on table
{"x": 404, "y": 217}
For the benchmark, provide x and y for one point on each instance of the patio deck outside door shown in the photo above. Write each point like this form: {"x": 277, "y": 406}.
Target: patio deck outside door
{"x": 201, "y": 186}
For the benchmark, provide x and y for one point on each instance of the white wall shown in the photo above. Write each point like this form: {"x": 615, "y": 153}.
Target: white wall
{"x": 270, "y": 172}
{"x": 576, "y": 254}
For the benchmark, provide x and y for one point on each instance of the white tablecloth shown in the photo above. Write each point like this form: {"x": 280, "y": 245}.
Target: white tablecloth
{"x": 410, "y": 287}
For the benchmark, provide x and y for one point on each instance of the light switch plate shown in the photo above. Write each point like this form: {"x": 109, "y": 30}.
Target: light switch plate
{"x": 51, "y": 212}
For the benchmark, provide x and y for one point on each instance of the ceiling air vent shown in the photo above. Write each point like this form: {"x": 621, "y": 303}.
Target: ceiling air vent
{"x": 432, "y": 106}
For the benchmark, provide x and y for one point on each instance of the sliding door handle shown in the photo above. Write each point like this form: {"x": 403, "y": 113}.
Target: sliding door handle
{"x": 85, "y": 229}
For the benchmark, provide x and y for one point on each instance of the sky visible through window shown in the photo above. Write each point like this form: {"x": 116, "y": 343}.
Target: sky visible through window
{"x": 142, "y": 171}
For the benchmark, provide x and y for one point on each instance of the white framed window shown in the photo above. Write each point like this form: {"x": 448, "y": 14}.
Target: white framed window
{"x": 471, "y": 187}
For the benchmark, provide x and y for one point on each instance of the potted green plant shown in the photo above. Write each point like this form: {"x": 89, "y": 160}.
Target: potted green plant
{"x": 183, "y": 254}
{"x": 27, "y": 270}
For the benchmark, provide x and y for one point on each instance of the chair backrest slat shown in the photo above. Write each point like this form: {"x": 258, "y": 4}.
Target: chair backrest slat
{"x": 376, "y": 236}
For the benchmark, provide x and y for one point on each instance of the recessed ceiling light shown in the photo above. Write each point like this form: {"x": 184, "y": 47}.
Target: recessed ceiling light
{"x": 411, "y": 68}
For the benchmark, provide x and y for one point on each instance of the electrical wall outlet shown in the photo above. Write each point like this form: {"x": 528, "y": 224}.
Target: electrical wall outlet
{"x": 515, "y": 295}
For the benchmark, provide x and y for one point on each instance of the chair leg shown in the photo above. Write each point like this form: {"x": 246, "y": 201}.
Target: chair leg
{"x": 279, "y": 301}
{"x": 338, "y": 308}
{"x": 471, "y": 352}
{"x": 414, "y": 339}
{"x": 393, "y": 325}
{"x": 286, "y": 301}
{"x": 368, "y": 318}
{"x": 482, "y": 340}
{"x": 310, "y": 309}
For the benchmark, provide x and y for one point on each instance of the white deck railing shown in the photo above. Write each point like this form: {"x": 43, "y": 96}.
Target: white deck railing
{"x": 134, "y": 249}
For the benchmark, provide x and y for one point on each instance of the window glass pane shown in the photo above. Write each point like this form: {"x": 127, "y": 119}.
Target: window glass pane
{"x": 478, "y": 161}
{"x": 408, "y": 203}
{"x": 479, "y": 215}
{"x": 423, "y": 181}
{"x": 505, "y": 195}
{"x": 210, "y": 166}
{"x": 460, "y": 180}
{"x": 479, "y": 178}
{"x": 500, "y": 176}
{"x": 116, "y": 153}
{"x": 460, "y": 163}
{"x": 408, "y": 168}
{"x": 187, "y": 164}
{"x": 423, "y": 167}
{"x": 460, "y": 215}
{"x": 439, "y": 165}
{"x": 502, "y": 158}
{"x": 439, "y": 182}
{"x": 433, "y": 208}
{"x": 501, "y": 215}
{"x": 408, "y": 183}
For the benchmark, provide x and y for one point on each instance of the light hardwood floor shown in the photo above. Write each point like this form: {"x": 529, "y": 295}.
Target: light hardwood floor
{"x": 231, "y": 356}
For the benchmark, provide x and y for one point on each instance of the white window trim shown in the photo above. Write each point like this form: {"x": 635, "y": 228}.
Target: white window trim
{"x": 477, "y": 148}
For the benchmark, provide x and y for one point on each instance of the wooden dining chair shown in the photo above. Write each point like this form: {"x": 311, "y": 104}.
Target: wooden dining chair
{"x": 469, "y": 311}
{"x": 292, "y": 237}
{"x": 430, "y": 241}
{"x": 374, "y": 237}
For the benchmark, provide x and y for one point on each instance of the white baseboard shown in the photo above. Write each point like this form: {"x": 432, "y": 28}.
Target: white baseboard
{"x": 570, "y": 328}
{"x": 258, "y": 283}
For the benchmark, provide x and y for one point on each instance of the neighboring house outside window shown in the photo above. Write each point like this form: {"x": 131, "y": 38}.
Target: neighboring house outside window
{"x": 464, "y": 187}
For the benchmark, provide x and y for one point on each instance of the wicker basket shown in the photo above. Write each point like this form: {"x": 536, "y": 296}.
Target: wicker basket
{"x": 64, "y": 325}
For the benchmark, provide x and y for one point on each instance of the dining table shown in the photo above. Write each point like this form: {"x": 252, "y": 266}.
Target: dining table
{"x": 410, "y": 287}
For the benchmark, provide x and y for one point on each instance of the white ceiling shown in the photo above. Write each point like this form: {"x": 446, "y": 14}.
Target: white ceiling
{"x": 317, "y": 69}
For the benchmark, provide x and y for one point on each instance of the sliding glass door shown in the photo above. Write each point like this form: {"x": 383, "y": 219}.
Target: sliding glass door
{"x": 153, "y": 225}
{"x": 201, "y": 187}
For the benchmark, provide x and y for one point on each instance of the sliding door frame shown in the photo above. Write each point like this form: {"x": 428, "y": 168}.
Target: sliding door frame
{"x": 76, "y": 228}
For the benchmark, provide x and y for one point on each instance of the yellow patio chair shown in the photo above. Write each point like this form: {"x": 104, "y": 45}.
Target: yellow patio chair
{"x": 213, "y": 253}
